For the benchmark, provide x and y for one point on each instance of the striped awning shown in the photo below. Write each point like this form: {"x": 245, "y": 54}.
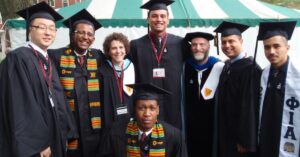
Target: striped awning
{"x": 183, "y": 13}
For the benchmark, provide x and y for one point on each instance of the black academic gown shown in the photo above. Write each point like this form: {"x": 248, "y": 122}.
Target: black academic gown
{"x": 88, "y": 138}
{"x": 200, "y": 134}
{"x": 144, "y": 61}
{"x": 28, "y": 122}
{"x": 115, "y": 139}
{"x": 110, "y": 96}
{"x": 237, "y": 102}
{"x": 271, "y": 120}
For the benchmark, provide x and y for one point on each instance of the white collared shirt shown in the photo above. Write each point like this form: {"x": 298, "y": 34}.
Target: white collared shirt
{"x": 34, "y": 46}
{"x": 147, "y": 133}
{"x": 78, "y": 55}
{"x": 240, "y": 56}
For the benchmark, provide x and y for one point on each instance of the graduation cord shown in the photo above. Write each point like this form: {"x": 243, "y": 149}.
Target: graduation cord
{"x": 119, "y": 81}
{"x": 48, "y": 78}
{"x": 155, "y": 51}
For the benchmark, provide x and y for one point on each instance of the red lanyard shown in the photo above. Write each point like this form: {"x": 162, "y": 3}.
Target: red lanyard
{"x": 158, "y": 58}
{"x": 119, "y": 81}
{"x": 48, "y": 78}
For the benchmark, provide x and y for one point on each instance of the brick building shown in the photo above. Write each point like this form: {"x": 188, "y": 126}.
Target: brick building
{"x": 60, "y": 3}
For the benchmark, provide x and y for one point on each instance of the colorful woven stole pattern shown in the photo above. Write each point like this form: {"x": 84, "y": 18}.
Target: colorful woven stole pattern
{"x": 157, "y": 141}
{"x": 67, "y": 67}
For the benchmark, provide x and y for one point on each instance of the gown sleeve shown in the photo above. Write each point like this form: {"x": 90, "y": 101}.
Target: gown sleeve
{"x": 21, "y": 115}
{"x": 247, "y": 133}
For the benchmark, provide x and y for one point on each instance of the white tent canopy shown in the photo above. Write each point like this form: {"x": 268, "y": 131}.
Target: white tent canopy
{"x": 186, "y": 16}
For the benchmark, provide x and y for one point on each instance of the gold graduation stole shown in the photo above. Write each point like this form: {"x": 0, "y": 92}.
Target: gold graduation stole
{"x": 67, "y": 67}
{"x": 157, "y": 141}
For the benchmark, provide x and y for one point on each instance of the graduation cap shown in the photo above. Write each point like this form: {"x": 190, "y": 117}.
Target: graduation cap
{"x": 40, "y": 10}
{"x": 82, "y": 16}
{"x": 147, "y": 91}
{"x": 191, "y": 36}
{"x": 157, "y": 5}
{"x": 229, "y": 28}
{"x": 270, "y": 29}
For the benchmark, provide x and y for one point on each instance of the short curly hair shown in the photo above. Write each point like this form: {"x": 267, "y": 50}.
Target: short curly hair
{"x": 118, "y": 37}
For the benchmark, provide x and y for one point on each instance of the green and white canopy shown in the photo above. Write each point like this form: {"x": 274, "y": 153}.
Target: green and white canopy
{"x": 186, "y": 16}
{"x": 183, "y": 13}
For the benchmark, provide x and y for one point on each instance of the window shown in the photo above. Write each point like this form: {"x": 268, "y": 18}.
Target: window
{"x": 51, "y": 3}
{"x": 0, "y": 19}
{"x": 65, "y": 3}
{"x": 78, "y": 1}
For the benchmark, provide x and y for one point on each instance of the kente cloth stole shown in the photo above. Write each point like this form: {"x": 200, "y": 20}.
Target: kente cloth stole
{"x": 157, "y": 141}
{"x": 67, "y": 67}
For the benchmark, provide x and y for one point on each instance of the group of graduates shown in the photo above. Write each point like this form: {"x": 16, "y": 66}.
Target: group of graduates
{"x": 157, "y": 96}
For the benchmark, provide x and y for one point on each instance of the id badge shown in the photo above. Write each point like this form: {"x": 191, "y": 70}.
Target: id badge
{"x": 122, "y": 109}
{"x": 159, "y": 73}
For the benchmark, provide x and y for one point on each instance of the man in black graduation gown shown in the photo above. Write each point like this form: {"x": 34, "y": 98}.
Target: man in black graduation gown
{"x": 237, "y": 95}
{"x": 279, "y": 104}
{"x": 34, "y": 118}
{"x": 143, "y": 135}
{"x": 199, "y": 105}
{"x": 78, "y": 66}
{"x": 157, "y": 57}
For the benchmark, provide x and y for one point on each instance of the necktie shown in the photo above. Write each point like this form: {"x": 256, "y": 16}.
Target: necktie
{"x": 143, "y": 137}
{"x": 144, "y": 153}
{"x": 159, "y": 41}
{"x": 275, "y": 80}
{"x": 46, "y": 64}
{"x": 158, "y": 44}
{"x": 81, "y": 60}
{"x": 227, "y": 67}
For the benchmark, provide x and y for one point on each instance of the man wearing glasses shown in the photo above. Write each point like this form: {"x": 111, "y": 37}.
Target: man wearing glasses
{"x": 34, "y": 117}
{"x": 77, "y": 65}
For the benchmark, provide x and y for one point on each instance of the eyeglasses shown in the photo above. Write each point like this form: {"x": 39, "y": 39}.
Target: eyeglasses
{"x": 44, "y": 28}
{"x": 83, "y": 33}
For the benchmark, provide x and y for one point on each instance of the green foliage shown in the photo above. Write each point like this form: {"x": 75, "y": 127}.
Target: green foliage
{"x": 8, "y": 8}
{"x": 285, "y": 3}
